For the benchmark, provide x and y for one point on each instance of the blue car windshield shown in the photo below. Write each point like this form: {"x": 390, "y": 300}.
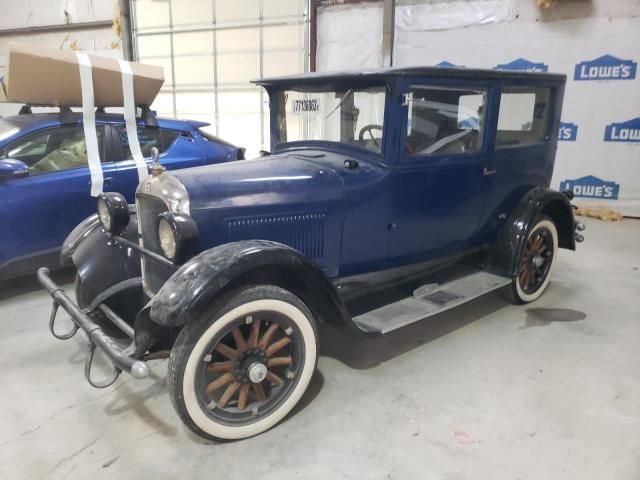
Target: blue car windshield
{"x": 352, "y": 116}
{"x": 7, "y": 129}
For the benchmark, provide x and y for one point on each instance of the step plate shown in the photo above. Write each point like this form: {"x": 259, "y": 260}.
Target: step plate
{"x": 429, "y": 300}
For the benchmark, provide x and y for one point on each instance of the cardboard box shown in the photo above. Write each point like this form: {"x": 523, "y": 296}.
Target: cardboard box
{"x": 40, "y": 76}
{"x": 3, "y": 94}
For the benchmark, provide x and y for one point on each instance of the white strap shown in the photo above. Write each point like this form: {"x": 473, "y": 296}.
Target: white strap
{"x": 130, "y": 119}
{"x": 89, "y": 123}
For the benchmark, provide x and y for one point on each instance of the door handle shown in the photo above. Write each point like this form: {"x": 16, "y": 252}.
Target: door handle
{"x": 488, "y": 172}
{"x": 105, "y": 181}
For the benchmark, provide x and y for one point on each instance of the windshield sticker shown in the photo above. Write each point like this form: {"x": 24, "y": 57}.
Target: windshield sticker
{"x": 309, "y": 106}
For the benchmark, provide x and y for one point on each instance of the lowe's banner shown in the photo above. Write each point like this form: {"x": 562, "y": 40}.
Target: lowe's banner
{"x": 606, "y": 67}
{"x": 591, "y": 187}
{"x": 598, "y": 154}
{"x": 623, "y": 132}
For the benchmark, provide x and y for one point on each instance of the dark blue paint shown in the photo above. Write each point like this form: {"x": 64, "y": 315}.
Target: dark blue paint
{"x": 11, "y": 168}
{"x": 391, "y": 210}
{"x": 39, "y": 211}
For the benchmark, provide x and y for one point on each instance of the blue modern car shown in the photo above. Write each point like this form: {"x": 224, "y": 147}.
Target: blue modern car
{"x": 389, "y": 196}
{"x": 45, "y": 179}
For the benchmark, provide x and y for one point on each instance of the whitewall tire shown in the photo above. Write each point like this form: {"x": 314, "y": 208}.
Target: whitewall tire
{"x": 243, "y": 365}
{"x": 536, "y": 261}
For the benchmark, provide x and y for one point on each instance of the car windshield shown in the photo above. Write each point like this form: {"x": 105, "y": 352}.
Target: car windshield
{"x": 7, "y": 129}
{"x": 353, "y": 116}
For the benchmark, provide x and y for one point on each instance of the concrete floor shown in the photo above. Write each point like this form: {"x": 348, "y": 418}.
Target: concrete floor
{"x": 486, "y": 391}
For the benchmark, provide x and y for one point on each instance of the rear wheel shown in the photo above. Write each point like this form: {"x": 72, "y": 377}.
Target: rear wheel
{"x": 536, "y": 260}
{"x": 240, "y": 367}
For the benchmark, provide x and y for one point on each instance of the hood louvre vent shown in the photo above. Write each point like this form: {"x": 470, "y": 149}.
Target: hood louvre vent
{"x": 303, "y": 231}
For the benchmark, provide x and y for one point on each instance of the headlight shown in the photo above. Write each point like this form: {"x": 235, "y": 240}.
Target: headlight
{"x": 113, "y": 212}
{"x": 167, "y": 238}
{"x": 103, "y": 214}
{"x": 178, "y": 236}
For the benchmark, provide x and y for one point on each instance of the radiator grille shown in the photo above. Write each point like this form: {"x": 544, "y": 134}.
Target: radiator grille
{"x": 154, "y": 274}
{"x": 304, "y": 232}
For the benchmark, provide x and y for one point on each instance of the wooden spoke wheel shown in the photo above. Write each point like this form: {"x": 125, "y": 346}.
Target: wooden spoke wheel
{"x": 252, "y": 363}
{"x": 236, "y": 373}
{"x": 536, "y": 261}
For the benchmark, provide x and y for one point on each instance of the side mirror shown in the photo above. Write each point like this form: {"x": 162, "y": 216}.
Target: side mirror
{"x": 10, "y": 168}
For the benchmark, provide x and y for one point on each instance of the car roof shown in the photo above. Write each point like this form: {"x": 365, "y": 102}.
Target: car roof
{"x": 386, "y": 74}
{"x": 30, "y": 120}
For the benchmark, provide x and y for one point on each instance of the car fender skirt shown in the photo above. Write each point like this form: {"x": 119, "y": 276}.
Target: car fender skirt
{"x": 197, "y": 283}
{"x": 101, "y": 262}
{"x": 504, "y": 255}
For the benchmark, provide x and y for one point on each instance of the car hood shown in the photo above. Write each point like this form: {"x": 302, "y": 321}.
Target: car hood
{"x": 284, "y": 198}
{"x": 284, "y": 179}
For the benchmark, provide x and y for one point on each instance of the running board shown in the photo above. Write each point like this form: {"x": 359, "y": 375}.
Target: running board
{"x": 429, "y": 300}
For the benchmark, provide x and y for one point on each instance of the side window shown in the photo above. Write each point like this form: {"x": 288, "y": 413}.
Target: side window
{"x": 523, "y": 116}
{"x": 445, "y": 121}
{"x": 149, "y": 137}
{"x": 54, "y": 149}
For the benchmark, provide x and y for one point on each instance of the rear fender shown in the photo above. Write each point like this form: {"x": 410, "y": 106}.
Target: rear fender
{"x": 199, "y": 281}
{"x": 504, "y": 255}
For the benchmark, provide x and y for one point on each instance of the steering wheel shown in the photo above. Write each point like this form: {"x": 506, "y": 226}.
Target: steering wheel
{"x": 369, "y": 128}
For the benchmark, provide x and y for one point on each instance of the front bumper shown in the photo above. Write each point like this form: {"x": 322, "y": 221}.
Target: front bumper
{"x": 121, "y": 359}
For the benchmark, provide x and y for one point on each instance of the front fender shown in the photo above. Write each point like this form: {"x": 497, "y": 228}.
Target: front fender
{"x": 196, "y": 283}
{"x": 81, "y": 232}
{"x": 77, "y": 235}
{"x": 503, "y": 259}
{"x": 101, "y": 262}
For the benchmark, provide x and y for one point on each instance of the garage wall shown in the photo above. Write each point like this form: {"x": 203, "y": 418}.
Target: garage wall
{"x": 68, "y": 24}
{"x": 211, "y": 49}
{"x": 349, "y": 36}
{"x": 595, "y": 43}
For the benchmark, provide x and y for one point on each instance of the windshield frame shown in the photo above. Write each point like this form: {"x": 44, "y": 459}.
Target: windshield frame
{"x": 274, "y": 104}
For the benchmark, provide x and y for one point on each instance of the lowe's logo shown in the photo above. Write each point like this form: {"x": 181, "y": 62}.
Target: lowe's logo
{"x": 568, "y": 132}
{"x": 606, "y": 67}
{"x": 623, "y": 132}
{"x": 592, "y": 187}
{"x": 524, "y": 65}
{"x": 445, "y": 64}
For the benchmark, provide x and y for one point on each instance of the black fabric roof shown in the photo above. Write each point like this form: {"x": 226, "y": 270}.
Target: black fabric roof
{"x": 385, "y": 74}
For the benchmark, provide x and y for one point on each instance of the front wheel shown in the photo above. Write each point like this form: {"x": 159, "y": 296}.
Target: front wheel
{"x": 536, "y": 260}
{"x": 241, "y": 366}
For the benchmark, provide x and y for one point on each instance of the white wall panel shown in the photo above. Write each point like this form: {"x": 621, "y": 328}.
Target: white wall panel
{"x": 37, "y": 13}
{"x": 444, "y": 15}
{"x": 349, "y": 36}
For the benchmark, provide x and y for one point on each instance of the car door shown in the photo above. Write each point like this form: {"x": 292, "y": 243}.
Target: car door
{"x": 177, "y": 150}
{"x": 522, "y": 156}
{"x": 39, "y": 210}
{"x": 439, "y": 181}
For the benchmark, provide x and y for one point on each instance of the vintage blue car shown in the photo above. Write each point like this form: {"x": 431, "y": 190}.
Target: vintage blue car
{"x": 45, "y": 179}
{"x": 389, "y": 196}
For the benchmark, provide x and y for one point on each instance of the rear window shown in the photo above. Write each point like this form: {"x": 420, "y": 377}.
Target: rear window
{"x": 149, "y": 137}
{"x": 213, "y": 138}
{"x": 523, "y": 116}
